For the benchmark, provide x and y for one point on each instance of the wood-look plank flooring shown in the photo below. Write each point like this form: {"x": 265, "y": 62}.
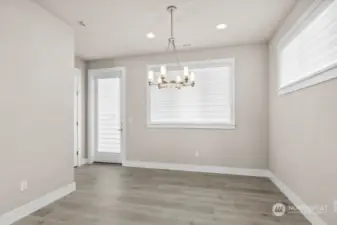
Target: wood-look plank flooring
{"x": 115, "y": 195}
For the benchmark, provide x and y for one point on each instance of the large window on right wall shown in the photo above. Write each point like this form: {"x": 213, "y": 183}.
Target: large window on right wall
{"x": 309, "y": 50}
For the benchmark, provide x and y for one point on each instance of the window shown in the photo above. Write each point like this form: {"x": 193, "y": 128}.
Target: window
{"x": 312, "y": 50}
{"x": 209, "y": 104}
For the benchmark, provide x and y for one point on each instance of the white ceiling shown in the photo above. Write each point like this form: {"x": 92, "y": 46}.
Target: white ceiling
{"x": 118, "y": 28}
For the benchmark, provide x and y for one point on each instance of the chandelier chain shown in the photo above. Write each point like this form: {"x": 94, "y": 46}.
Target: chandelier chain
{"x": 171, "y": 40}
{"x": 171, "y": 13}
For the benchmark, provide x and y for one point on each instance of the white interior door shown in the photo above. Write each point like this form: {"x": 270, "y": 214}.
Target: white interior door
{"x": 108, "y": 117}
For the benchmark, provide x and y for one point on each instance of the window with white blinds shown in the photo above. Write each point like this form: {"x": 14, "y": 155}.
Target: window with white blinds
{"x": 209, "y": 104}
{"x": 313, "y": 50}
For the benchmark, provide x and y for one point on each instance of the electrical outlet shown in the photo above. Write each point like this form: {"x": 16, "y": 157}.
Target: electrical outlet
{"x": 23, "y": 185}
{"x": 196, "y": 154}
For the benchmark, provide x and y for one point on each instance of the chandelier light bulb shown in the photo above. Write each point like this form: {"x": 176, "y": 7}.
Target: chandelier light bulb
{"x": 159, "y": 80}
{"x": 192, "y": 76}
{"x": 163, "y": 70}
{"x": 185, "y": 71}
{"x": 151, "y": 75}
{"x": 178, "y": 79}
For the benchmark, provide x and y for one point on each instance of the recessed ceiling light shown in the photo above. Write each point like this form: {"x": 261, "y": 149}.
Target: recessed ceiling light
{"x": 150, "y": 35}
{"x": 221, "y": 26}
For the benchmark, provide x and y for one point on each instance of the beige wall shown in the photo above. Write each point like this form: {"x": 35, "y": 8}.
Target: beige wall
{"x": 244, "y": 147}
{"x": 36, "y": 122}
{"x": 303, "y": 134}
{"x": 82, "y": 66}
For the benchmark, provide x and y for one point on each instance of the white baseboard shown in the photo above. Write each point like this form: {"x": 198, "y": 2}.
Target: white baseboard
{"x": 310, "y": 215}
{"x": 31, "y": 207}
{"x": 83, "y": 161}
{"x": 197, "y": 168}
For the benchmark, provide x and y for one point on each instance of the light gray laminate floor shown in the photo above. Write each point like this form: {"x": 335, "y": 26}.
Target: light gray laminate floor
{"x": 114, "y": 195}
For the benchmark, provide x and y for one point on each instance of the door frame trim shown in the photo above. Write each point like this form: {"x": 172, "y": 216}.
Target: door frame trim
{"x": 92, "y": 75}
{"x": 78, "y": 110}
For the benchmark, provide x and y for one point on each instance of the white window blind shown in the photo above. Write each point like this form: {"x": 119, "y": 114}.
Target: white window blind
{"x": 209, "y": 103}
{"x": 313, "y": 50}
{"x": 108, "y": 112}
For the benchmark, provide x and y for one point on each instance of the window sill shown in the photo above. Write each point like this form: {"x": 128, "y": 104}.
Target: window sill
{"x": 192, "y": 126}
{"x": 328, "y": 74}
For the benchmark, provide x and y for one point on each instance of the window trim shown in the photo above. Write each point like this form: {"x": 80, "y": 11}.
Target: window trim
{"x": 318, "y": 77}
{"x": 231, "y": 125}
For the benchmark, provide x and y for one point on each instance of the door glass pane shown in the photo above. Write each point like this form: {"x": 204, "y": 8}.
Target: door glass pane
{"x": 108, "y": 115}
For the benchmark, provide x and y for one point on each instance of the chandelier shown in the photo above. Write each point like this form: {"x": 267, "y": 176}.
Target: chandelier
{"x": 161, "y": 80}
